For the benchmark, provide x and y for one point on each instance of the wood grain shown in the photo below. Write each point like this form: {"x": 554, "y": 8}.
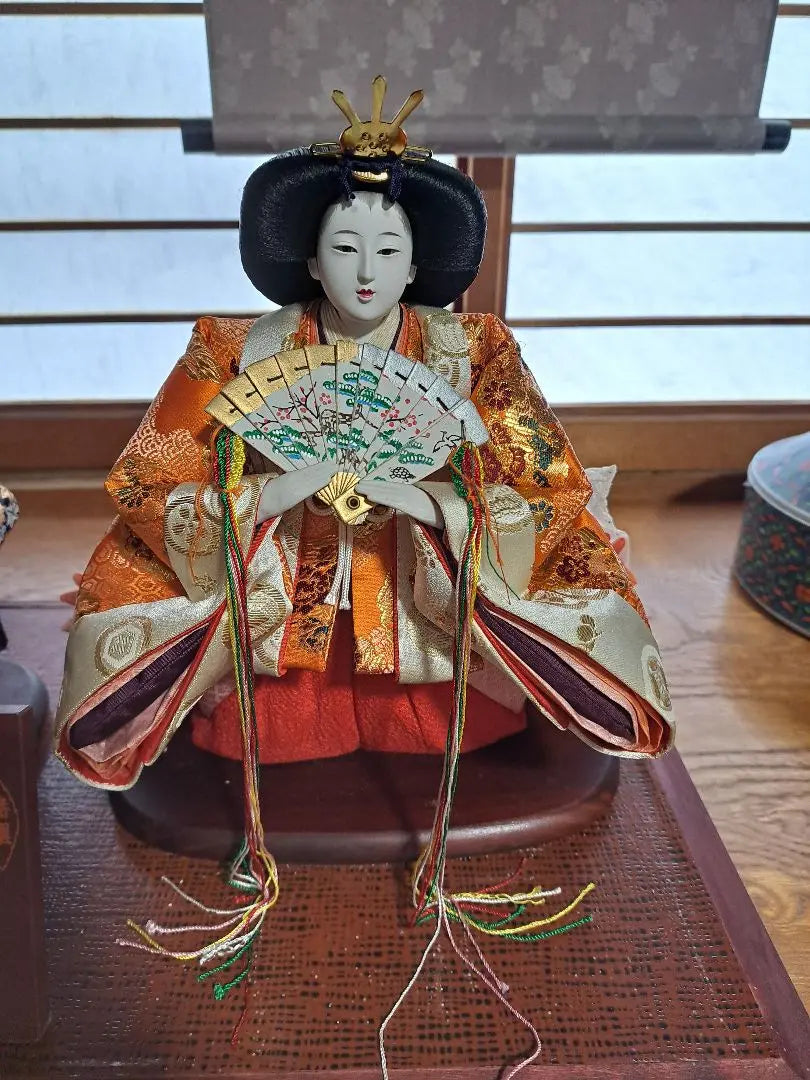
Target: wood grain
{"x": 741, "y": 685}
{"x": 700, "y": 437}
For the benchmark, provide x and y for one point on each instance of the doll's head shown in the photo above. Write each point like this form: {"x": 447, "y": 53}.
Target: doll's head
{"x": 289, "y": 200}
{"x": 364, "y": 255}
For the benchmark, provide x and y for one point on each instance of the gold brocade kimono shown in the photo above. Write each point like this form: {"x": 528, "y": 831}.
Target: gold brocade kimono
{"x": 154, "y": 586}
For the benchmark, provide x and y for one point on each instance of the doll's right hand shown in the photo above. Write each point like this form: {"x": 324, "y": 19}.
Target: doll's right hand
{"x": 290, "y": 488}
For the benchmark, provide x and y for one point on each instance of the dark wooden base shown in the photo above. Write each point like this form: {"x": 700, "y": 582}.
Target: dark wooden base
{"x": 19, "y": 686}
{"x": 368, "y": 807}
{"x": 23, "y": 743}
{"x": 23, "y": 972}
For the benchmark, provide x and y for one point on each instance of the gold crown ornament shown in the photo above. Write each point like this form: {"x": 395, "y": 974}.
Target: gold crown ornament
{"x": 374, "y": 138}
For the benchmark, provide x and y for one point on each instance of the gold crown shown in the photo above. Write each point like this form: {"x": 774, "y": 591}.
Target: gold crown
{"x": 374, "y": 138}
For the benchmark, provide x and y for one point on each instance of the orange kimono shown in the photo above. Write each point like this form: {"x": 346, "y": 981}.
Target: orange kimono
{"x": 558, "y": 622}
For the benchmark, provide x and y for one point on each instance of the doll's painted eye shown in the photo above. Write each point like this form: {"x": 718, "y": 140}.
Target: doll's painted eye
{"x": 345, "y": 249}
{"x": 388, "y": 251}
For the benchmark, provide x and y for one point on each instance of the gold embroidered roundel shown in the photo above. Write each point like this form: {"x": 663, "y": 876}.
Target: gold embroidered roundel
{"x": 122, "y": 644}
{"x": 509, "y": 510}
{"x": 655, "y": 678}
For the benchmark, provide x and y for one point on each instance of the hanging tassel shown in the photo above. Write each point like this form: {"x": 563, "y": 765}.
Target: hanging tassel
{"x": 253, "y": 871}
{"x": 490, "y": 911}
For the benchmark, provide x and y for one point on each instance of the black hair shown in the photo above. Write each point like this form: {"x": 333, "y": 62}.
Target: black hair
{"x": 285, "y": 199}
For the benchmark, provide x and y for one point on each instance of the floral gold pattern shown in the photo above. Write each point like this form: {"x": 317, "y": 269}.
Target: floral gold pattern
{"x": 587, "y": 632}
{"x": 375, "y": 653}
{"x": 658, "y": 681}
{"x": 197, "y": 360}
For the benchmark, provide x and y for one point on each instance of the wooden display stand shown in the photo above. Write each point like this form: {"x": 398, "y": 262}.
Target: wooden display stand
{"x": 367, "y": 807}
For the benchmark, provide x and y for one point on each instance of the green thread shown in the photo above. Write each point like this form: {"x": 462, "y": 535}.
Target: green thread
{"x": 479, "y": 924}
{"x": 222, "y": 989}
{"x": 490, "y": 927}
{"x": 552, "y": 933}
{"x": 226, "y": 963}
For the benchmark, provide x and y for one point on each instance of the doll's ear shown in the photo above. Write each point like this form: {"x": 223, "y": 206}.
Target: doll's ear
{"x": 312, "y": 266}
{"x": 411, "y": 274}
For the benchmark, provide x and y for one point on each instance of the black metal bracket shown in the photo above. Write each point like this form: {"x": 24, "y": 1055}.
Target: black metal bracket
{"x": 198, "y": 137}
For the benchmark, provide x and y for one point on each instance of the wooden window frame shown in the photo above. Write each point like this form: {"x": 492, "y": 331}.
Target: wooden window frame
{"x": 44, "y": 441}
{"x": 48, "y": 439}
{"x": 707, "y": 438}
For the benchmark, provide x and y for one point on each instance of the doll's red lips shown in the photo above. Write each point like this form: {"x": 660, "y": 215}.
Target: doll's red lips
{"x": 365, "y": 294}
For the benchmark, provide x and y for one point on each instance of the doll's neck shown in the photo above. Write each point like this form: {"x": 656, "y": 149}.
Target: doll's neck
{"x": 337, "y": 327}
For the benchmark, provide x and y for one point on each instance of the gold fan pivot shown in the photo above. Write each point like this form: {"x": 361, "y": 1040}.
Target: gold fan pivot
{"x": 341, "y": 495}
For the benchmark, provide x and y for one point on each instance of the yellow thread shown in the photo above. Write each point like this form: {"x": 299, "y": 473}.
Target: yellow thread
{"x": 526, "y": 928}
{"x": 237, "y": 464}
{"x": 535, "y": 896}
{"x": 234, "y": 477}
{"x": 257, "y": 910}
{"x": 481, "y": 494}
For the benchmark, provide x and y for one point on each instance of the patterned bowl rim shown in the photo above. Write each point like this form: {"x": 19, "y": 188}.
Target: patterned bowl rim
{"x": 767, "y": 494}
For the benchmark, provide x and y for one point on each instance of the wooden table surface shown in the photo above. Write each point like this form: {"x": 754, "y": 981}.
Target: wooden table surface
{"x": 740, "y": 680}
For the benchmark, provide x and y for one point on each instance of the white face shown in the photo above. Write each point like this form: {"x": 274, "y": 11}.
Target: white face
{"x": 364, "y": 255}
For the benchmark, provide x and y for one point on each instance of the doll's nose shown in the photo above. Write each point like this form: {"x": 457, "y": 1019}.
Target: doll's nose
{"x": 365, "y": 268}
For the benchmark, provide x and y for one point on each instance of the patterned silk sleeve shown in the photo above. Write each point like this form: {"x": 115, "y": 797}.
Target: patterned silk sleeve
{"x": 171, "y": 445}
{"x": 528, "y": 450}
{"x": 559, "y": 614}
{"x": 530, "y": 455}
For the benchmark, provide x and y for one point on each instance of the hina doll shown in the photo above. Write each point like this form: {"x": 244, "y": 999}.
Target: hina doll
{"x": 365, "y": 240}
{"x": 228, "y": 595}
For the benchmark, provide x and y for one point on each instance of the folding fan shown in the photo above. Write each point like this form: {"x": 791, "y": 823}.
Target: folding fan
{"x": 373, "y": 412}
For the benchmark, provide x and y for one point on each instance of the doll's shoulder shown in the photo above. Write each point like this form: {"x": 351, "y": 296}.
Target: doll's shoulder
{"x": 220, "y": 347}
{"x": 480, "y": 330}
{"x": 269, "y": 333}
{"x": 489, "y": 332}
{"x": 472, "y": 338}
{"x": 211, "y": 349}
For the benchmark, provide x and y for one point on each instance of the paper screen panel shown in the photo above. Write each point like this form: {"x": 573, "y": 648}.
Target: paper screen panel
{"x": 655, "y": 187}
{"x": 787, "y": 85}
{"x": 144, "y": 271}
{"x": 609, "y": 365}
{"x": 658, "y": 274}
{"x": 99, "y": 65}
{"x": 112, "y": 362}
{"x": 110, "y": 175}
{"x": 128, "y": 362}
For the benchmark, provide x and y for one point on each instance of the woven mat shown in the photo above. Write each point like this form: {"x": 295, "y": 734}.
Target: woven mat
{"x": 652, "y": 978}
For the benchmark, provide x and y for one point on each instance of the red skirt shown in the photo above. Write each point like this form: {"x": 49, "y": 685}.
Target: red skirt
{"x": 313, "y": 714}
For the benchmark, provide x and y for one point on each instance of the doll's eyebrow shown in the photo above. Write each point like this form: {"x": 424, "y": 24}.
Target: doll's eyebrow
{"x": 396, "y": 234}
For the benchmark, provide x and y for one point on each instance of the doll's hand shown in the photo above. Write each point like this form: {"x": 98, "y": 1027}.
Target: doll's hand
{"x": 290, "y": 488}
{"x": 403, "y": 497}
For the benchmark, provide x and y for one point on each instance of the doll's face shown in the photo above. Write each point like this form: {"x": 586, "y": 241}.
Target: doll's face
{"x": 363, "y": 258}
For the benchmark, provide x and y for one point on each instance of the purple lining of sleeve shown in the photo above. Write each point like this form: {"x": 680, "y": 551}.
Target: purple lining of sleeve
{"x": 110, "y": 715}
{"x": 577, "y": 691}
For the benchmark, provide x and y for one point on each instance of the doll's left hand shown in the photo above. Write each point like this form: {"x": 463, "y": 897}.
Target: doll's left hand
{"x": 403, "y": 497}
